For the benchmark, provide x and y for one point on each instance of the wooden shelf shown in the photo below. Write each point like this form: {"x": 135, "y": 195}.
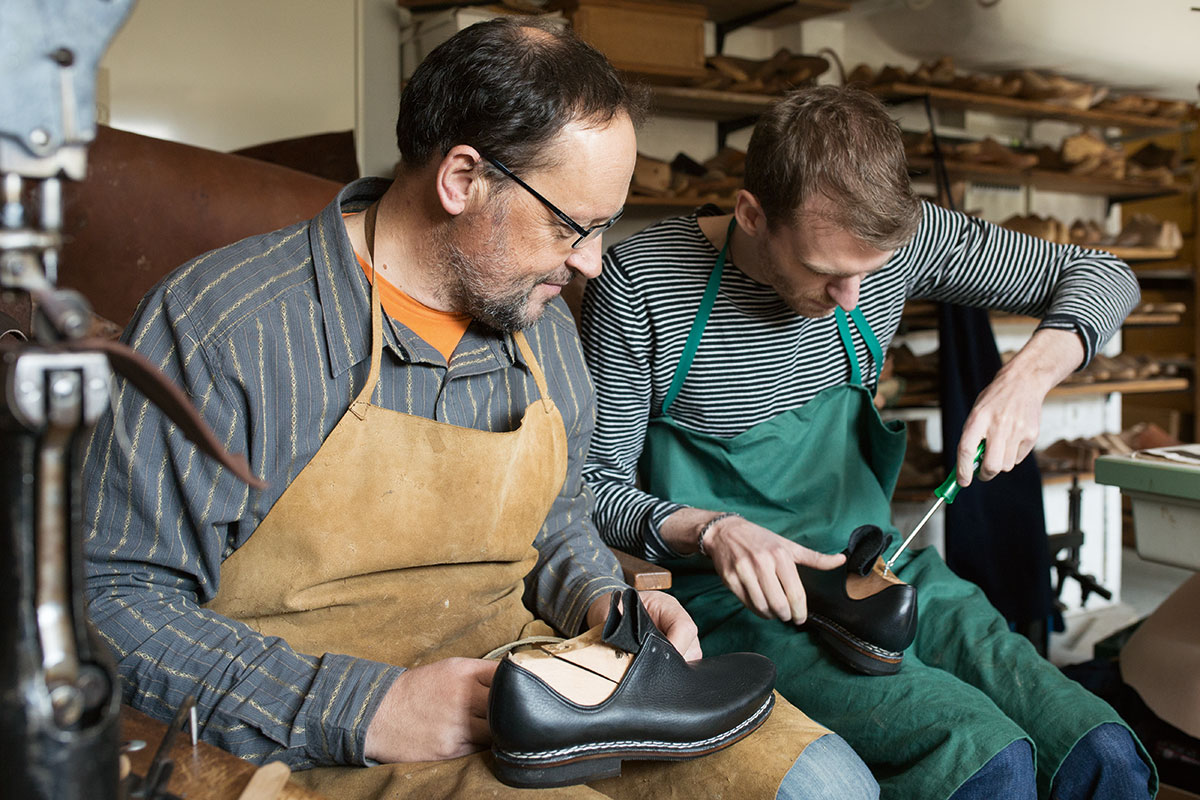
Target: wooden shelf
{"x": 921, "y": 494}
{"x": 1133, "y": 253}
{"x": 729, "y": 10}
{"x": 1138, "y": 253}
{"x": 708, "y": 103}
{"x": 1135, "y": 318}
{"x": 1124, "y": 387}
{"x": 1056, "y": 478}
{"x": 1173, "y": 271}
{"x": 1152, "y": 319}
{"x": 1044, "y": 179}
{"x": 689, "y": 203}
{"x": 1146, "y": 386}
{"x": 1032, "y": 109}
{"x": 918, "y": 494}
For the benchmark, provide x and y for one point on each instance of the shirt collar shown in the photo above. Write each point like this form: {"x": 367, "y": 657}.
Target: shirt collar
{"x": 345, "y": 302}
{"x": 345, "y": 295}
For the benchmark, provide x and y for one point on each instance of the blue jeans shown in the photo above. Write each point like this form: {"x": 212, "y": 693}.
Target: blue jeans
{"x": 1103, "y": 765}
{"x": 1009, "y": 775}
{"x": 828, "y": 768}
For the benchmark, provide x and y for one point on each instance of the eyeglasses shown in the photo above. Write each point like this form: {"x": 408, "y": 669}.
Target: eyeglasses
{"x": 585, "y": 234}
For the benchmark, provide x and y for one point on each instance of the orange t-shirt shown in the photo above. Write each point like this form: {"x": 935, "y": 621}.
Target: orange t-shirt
{"x": 442, "y": 329}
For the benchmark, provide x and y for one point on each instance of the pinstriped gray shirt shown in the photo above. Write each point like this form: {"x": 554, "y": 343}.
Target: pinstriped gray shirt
{"x": 271, "y": 339}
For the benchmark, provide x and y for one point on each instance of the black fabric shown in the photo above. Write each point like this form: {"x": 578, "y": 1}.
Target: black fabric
{"x": 867, "y": 543}
{"x": 995, "y": 530}
{"x": 1175, "y": 753}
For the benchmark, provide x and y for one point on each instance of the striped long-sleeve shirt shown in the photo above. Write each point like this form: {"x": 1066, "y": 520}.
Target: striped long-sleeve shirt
{"x": 271, "y": 339}
{"x": 758, "y": 358}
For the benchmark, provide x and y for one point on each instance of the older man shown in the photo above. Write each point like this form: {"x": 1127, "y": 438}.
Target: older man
{"x": 425, "y": 502}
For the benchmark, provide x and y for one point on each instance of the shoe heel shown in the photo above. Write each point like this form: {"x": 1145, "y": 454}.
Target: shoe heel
{"x": 853, "y": 657}
{"x": 545, "y": 777}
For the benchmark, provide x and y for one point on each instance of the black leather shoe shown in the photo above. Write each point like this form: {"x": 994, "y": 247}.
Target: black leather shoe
{"x": 658, "y": 706}
{"x": 865, "y": 618}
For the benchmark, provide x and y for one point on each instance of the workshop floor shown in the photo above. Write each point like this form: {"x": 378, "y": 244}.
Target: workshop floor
{"x": 1143, "y": 586}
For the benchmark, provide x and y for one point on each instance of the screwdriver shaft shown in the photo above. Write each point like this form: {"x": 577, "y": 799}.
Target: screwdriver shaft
{"x": 915, "y": 531}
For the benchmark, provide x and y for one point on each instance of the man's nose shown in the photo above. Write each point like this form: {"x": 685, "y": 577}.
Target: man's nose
{"x": 586, "y": 260}
{"x": 844, "y": 292}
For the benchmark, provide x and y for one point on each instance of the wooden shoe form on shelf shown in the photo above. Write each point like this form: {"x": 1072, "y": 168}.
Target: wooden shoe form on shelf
{"x": 1141, "y": 231}
{"x": 1048, "y": 228}
{"x": 989, "y": 151}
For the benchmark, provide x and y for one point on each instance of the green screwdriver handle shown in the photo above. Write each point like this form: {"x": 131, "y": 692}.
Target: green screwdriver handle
{"x": 949, "y": 490}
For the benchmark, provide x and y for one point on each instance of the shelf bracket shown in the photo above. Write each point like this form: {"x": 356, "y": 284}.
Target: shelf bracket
{"x": 729, "y": 26}
{"x": 728, "y": 126}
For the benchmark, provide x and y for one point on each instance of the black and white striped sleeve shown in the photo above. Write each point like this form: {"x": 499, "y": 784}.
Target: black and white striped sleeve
{"x": 614, "y": 326}
{"x": 959, "y": 259}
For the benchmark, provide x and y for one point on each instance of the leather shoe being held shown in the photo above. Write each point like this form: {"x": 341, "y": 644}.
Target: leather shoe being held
{"x": 570, "y": 712}
{"x": 867, "y": 619}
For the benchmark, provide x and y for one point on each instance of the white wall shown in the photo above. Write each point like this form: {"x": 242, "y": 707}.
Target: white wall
{"x": 378, "y": 32}
{"x": 226, "y": 74}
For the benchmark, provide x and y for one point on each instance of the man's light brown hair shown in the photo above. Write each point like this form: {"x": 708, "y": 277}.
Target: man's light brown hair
{"x": 840, "y": 144}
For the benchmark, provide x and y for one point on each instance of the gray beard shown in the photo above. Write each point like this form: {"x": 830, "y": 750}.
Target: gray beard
{"x": 478, "y": 287}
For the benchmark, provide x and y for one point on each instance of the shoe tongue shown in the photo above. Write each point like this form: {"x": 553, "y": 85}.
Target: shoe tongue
{"x": 628, "y": 629}
{"x": 867, "y": 543}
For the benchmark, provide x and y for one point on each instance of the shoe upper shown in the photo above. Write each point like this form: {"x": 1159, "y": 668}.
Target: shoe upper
{"x": 887, "y": 619}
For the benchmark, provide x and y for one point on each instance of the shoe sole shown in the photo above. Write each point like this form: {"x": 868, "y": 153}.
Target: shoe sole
{"x": 859, "y": 655}
{"x": 588, "y": 762}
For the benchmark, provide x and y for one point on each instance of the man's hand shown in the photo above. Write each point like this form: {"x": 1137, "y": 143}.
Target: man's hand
{"x": 668, "y": 615}
{"x": 1008, "y": 412}
{"x": 433, "y": 712}
{"x": 759, "y": 566}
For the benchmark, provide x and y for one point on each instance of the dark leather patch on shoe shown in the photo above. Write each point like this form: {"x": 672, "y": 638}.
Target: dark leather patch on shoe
{"x": 867, "y": 543}
{"x": 627, "y": 629}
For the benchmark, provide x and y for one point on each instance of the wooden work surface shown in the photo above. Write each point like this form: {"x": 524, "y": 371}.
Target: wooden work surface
{"x": 201, "y": 773}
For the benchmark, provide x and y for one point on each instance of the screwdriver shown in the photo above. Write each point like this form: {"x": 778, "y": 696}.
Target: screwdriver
{"x": 945, "y": 494}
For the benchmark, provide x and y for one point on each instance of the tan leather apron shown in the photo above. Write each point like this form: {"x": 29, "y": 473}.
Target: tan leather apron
{"x": 406, "y": 541}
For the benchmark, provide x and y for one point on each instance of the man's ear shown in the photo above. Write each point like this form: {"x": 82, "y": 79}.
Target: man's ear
{"x": 458, "y": 179}
{"x": 749, "y": 213}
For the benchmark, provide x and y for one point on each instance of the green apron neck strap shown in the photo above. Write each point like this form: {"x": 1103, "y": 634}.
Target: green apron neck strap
{"x": 848, "y": 345}
{"x": 864, "y": 330}
{"x": 702, "y": 314}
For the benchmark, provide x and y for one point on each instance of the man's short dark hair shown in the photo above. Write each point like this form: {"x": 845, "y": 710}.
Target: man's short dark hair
{"x": 842, "y": 144}
{"x": 507, "y": 87}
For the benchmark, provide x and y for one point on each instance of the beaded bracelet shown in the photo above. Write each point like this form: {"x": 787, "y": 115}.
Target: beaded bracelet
{"x": 708, "y": 526}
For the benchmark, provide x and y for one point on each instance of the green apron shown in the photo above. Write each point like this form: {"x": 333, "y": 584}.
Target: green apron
{"x": 968, "y": 686}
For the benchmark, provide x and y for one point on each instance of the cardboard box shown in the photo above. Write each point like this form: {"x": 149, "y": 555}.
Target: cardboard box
{"x": 647, "y": 38}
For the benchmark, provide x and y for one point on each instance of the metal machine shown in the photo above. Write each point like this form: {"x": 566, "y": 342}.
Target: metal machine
{"x": 58, "y": 692}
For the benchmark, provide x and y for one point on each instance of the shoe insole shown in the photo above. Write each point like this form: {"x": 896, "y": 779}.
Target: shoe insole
{"x": 859, "y": 587}
{"x": 585, "y": 670}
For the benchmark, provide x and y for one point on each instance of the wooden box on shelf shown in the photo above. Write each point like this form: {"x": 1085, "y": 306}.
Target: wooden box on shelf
{"x": 648, "y": 38}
